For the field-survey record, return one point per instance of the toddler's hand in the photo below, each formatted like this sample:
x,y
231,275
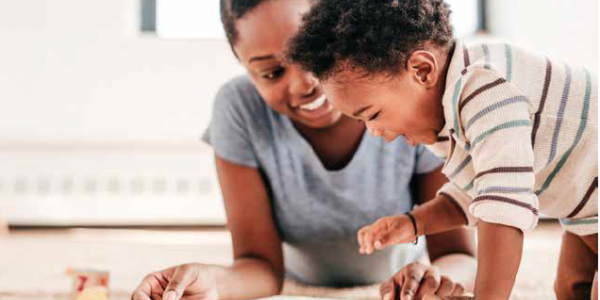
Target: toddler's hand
x,y
385,232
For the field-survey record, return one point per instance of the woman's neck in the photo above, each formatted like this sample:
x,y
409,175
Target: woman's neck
x,y
335,145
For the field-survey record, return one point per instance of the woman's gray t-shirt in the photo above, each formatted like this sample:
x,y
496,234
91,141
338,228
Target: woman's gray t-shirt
x,y
318,211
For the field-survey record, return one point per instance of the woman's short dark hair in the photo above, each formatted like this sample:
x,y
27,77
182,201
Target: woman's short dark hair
x,y
375,36
231,10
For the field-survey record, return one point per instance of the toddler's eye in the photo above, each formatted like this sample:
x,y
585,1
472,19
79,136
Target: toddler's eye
x,y
373,117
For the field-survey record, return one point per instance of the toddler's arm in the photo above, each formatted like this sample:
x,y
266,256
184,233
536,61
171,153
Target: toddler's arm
x,y
497,125
435,216
498,259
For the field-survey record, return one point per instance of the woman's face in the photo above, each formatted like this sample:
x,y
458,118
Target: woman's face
x,y
262,35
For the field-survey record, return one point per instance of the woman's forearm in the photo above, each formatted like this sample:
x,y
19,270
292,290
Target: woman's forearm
x,y
248,278
460,267
498,258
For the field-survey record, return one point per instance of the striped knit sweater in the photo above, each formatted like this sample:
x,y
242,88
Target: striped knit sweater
x,y
521,137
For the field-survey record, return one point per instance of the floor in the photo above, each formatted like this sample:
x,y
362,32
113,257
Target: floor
x,y
33,262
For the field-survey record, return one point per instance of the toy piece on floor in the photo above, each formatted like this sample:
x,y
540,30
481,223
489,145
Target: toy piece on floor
x,y
89,283
93,293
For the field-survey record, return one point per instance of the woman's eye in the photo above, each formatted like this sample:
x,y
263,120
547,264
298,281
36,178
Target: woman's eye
x,y
273,74
373,117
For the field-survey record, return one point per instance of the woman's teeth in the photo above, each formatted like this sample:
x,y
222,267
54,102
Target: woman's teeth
x,y
315,104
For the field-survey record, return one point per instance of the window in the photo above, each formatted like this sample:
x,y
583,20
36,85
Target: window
x,y
182,19
200,19
467,17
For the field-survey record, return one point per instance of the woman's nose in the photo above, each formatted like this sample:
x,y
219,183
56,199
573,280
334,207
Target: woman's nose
x,y
302,84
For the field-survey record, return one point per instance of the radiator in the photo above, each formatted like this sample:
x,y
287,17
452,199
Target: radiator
x,y
108,185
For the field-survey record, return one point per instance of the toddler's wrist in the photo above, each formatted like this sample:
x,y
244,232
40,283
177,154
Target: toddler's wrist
x,y
415,227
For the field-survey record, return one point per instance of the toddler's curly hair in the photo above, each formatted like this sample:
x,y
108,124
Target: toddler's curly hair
x,y
374,36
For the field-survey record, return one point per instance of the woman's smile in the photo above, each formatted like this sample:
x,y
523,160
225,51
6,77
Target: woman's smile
x,y
315,109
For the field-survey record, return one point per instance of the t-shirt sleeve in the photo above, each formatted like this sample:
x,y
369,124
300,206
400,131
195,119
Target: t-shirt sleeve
x,y
496,125
426,161
229,129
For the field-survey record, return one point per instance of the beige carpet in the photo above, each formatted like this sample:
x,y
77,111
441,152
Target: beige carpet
x,y
33,262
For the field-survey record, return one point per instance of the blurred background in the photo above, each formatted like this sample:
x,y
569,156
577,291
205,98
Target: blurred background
x,y
102,103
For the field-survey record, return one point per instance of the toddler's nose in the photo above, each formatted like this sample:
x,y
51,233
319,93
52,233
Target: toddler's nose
x,y
373,130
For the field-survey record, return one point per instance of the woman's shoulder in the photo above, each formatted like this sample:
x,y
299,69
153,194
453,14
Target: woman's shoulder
x,y
239,94
239,122
238,104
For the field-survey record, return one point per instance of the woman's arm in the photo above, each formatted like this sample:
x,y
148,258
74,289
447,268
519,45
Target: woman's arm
x,y
258,267
257,270
453,252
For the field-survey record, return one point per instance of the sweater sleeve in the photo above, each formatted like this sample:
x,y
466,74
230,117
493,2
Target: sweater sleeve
x,y
460,199
495,119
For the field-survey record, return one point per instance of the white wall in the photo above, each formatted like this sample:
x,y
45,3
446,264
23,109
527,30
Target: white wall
x,y
79,70
85,102
566,30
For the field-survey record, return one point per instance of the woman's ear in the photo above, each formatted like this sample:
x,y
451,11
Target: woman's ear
x,y
424,68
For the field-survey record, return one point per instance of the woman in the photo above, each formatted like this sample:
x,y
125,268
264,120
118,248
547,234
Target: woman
x,y
299,178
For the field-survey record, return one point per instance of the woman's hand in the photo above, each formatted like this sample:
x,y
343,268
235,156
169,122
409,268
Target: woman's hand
x,y
417,281
186,282
385,232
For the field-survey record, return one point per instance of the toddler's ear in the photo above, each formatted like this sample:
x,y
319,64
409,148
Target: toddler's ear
x,y
423,66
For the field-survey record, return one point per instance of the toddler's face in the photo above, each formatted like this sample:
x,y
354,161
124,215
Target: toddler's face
x,y
391,106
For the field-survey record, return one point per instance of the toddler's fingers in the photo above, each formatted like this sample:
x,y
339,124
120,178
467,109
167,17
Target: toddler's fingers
x,y
361,239
379,229
369,236
366,237
367,241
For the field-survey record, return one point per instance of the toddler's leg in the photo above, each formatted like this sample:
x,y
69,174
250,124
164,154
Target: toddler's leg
x,y
577,266
592,242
